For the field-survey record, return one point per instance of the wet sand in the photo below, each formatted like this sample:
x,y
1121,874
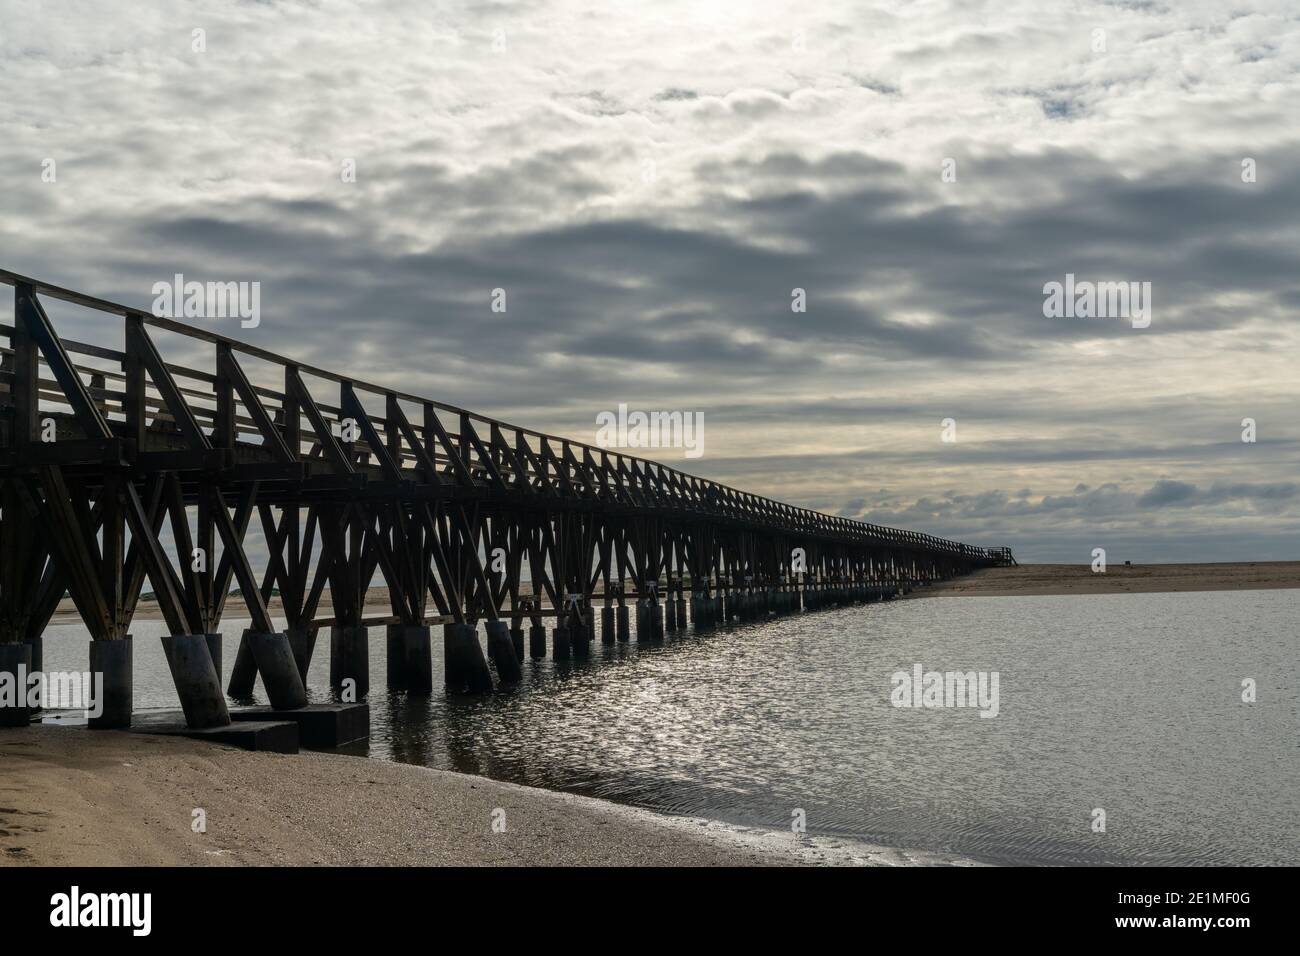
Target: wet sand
x,y
1042,579
71,796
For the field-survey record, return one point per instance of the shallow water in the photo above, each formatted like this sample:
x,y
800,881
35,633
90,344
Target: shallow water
x,y
1129,703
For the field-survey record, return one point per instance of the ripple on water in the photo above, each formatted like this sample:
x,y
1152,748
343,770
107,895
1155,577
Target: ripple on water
x,y
1129,703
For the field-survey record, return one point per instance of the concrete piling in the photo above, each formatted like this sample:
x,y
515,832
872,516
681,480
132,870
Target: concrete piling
x,y
517,641
112,660
537,641
561,643
410,658
670,615
243,674
302,641
607,625
279,670
502,652
465,668
37,644
15,668
350,657
214,651
624,629
196,681
580,636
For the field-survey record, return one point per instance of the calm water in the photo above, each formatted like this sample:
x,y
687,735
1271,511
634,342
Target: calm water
x,y
1130,703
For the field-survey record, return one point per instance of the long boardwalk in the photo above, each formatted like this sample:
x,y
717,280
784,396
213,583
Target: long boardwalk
x,y
118,466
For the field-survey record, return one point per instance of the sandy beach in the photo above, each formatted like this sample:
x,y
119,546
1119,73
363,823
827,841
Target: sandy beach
x,y
1043,579
71,796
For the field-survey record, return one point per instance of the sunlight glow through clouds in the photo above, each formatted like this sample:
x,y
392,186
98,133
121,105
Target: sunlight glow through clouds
x,y
790,145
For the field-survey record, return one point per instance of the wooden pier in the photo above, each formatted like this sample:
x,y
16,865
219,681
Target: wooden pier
x,y
119,465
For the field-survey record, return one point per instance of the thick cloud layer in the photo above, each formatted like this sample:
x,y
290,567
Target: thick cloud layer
x,y
648,184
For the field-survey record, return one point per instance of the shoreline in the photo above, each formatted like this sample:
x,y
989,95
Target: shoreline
x,y
76,797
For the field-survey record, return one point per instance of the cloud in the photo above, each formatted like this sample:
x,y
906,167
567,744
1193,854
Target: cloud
x,y
648,187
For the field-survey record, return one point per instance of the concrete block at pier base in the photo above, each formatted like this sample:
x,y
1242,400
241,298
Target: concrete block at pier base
x,y
656,621
320,726
681,613
517,642
464,666
607,625
302,641
15,668
243,674
350,657
279,671
561,643
410,658
670,615
273,736
196,680
537,642
624,628
642,622
502,652
113,660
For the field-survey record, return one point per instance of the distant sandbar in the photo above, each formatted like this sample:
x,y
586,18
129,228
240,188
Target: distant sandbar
x,y
1043,579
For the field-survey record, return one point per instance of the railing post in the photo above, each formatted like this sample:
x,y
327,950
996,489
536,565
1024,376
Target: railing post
x,y
26,396
133,369
292,424
226,426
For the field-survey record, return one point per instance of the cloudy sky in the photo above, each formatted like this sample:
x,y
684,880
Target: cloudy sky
x,y
648,182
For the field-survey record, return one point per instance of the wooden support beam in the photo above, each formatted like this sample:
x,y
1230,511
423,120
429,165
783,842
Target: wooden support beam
x,y
37,328
333,451
353,408
433,429
161,574
140,345
400,428
229,370
233,545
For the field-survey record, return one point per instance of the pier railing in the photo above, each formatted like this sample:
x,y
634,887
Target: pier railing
x,y
132,402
